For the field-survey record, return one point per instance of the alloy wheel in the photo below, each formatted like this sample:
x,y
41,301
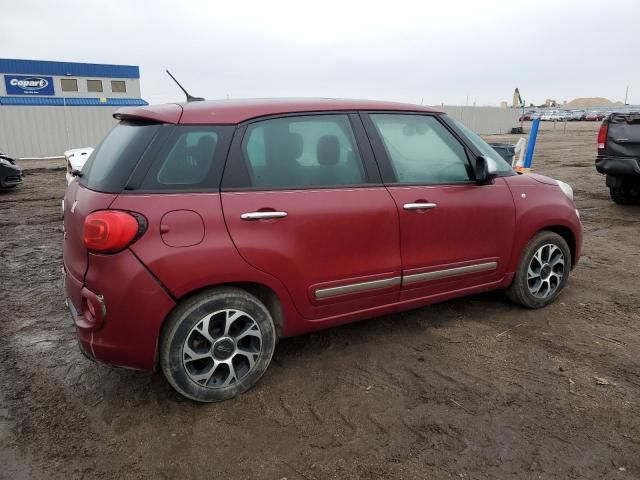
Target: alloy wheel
x,y
222,348
546,271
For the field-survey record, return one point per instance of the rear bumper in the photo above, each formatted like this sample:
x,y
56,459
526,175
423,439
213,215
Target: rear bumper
x,y
621,166
10,176
129,307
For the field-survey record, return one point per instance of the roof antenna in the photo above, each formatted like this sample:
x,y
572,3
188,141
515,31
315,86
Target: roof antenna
x,y
189,97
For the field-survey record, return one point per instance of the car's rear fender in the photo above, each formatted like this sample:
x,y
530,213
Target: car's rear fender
x,y
205,256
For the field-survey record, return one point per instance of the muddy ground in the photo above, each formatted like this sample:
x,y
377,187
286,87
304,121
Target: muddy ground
x,y
474,388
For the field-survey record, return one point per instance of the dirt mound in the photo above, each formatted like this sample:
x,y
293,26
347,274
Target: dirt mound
x,y
589,102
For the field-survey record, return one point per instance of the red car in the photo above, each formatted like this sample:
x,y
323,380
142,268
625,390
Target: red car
x,y
595,116
199,234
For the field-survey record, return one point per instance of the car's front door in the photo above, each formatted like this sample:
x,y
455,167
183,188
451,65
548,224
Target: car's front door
x,y
455,234
303,201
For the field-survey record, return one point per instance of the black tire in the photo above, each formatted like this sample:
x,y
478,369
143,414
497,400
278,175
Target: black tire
x,y
519,291
180,326
622,196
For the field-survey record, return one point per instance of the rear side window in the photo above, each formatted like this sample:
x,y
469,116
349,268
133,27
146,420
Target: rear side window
x,y
113,160
421,150
299,152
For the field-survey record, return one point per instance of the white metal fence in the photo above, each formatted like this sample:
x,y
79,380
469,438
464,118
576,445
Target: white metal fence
x,y
485,120
48,131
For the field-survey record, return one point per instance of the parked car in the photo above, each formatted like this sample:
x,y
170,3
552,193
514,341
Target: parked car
x,y
619,156
576,115
595,116
10,173
552,116
199,234
75,160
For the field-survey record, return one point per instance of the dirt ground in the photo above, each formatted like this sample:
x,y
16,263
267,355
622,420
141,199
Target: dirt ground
x,y
469,389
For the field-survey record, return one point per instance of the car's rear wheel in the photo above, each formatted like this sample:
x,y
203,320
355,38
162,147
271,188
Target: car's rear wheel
x,y
217,344
625,195
543,271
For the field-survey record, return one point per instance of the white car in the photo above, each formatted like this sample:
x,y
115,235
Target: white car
x,y
553,116
75,160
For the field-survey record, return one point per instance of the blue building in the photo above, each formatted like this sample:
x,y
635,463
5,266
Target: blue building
x,y
48,107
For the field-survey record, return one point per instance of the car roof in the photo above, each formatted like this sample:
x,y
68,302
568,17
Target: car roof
x,y
238,111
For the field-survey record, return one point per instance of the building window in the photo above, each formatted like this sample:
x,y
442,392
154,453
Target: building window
x,y
118,86
69,84
94,85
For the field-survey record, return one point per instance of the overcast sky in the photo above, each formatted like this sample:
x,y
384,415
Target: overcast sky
x,y
423,51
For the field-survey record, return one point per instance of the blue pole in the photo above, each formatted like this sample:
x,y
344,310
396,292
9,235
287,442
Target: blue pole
x,y
531,144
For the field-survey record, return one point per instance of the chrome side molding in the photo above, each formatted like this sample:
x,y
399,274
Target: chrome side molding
x,y
357,287
449,272
404,280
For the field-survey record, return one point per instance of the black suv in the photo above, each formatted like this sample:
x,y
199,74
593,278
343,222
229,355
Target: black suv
x,y
10,173
619,156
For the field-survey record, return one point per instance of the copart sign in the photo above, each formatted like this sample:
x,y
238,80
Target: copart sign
x,y
28,85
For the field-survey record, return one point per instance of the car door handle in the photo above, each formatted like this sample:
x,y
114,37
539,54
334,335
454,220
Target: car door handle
x,y
419,206
262,215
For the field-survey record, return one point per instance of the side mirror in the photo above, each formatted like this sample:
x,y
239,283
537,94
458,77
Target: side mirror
x,y
486,170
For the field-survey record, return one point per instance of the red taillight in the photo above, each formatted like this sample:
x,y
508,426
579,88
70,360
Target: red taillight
x,y
602,135
111,230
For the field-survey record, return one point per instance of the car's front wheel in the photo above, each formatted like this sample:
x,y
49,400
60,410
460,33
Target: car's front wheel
x,y
217,344
543,271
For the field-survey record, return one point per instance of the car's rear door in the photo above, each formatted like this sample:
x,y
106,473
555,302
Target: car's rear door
x,y
455,234
303,201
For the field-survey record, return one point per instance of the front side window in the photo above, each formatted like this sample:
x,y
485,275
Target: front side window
x,y
94,85
421,150
502,166
69,84
299,152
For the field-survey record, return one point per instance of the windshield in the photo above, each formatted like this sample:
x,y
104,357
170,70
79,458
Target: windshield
x,y
502,166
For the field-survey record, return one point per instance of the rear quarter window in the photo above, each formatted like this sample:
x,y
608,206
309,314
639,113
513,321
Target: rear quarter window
x,y
191,158
115,158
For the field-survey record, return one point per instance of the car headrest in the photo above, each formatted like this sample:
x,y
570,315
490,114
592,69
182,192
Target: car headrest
x,y
328,150
206,143
204,148
294,146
